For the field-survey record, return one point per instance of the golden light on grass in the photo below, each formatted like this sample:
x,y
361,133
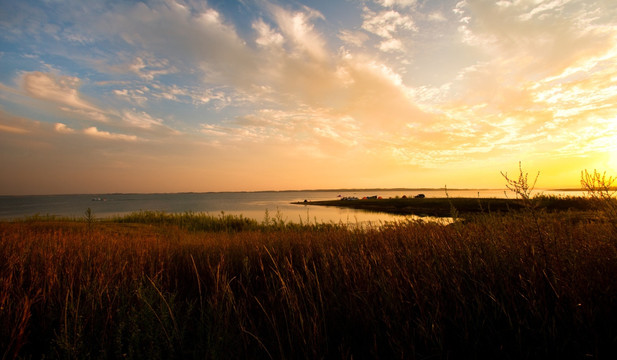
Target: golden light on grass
x,y
527,284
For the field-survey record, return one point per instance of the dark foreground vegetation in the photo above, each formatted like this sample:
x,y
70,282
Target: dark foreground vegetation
x,y
530,284
442,207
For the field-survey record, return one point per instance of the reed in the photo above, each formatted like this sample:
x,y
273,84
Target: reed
x,y
524,284
180,286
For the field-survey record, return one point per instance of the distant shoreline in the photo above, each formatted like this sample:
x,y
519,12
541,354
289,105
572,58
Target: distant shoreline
x,y
443,207
342,190
264,191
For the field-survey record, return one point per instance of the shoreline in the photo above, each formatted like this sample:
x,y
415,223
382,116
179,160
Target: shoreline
x,y
443,207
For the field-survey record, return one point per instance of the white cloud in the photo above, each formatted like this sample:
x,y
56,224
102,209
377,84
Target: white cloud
x,y
80,38
301,71
437,16
286,63
171,29
148,67
266,36
391,45
387,24
214,130
297,27
521,46
94,132
62,90
140,119
314,128
87,115
134,96
543,7
391,3
564,30
356,38
63,129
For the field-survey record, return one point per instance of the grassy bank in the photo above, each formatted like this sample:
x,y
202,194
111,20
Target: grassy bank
x,y
150,285
442,207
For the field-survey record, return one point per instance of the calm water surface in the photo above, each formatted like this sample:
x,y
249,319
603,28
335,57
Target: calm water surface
x,y
249,204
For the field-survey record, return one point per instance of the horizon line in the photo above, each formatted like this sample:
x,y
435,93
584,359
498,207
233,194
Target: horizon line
x,y
291,190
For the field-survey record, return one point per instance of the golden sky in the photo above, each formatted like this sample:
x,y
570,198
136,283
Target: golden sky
x,y
172,96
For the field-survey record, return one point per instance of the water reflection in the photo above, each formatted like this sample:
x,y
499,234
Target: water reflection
x,y
252,205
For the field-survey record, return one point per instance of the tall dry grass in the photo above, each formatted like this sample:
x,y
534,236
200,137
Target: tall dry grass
x,y
496,286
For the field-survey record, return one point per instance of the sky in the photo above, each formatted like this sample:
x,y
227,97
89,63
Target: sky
x,y
248,95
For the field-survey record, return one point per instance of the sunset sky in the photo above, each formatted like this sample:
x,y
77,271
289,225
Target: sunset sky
x,y
223,95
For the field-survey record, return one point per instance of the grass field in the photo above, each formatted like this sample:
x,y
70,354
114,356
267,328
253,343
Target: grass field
x,y
442,207
528,284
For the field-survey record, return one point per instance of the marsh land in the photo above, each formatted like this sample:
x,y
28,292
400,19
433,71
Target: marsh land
x,y
444,207
526,283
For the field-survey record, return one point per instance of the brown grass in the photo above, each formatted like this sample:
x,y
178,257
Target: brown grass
x,y
498,286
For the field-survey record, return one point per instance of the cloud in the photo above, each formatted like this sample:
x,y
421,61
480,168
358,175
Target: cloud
x,y
350,95
400,3
134,96
537,45
63,129
543,87
141,119
12,125
437,16
94,132
386,24
266,36
356,38
391,26
532,76
12,129
215,130
531,46
297,27
148,67
391,45
59,89
48,158
170,29
304,128
98,115
290,66
16,125
541,8
62,91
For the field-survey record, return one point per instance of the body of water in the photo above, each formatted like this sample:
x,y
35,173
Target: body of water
x,y
248,204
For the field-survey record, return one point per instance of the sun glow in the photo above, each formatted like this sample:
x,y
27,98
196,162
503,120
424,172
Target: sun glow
x,y
612,158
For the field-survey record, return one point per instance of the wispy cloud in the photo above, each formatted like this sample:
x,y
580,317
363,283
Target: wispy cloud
x,y
141,119
94,132
401,3
168,29
12,129
62,90
386,23
297,28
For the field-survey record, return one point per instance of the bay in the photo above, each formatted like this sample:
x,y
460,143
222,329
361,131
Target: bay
x,y
253,205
